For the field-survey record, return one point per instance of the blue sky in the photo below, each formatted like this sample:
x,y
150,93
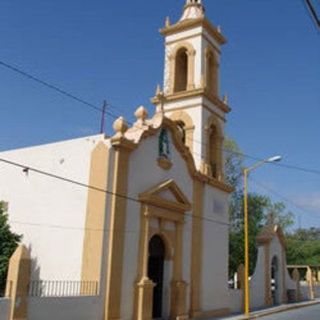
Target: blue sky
x,y
112,50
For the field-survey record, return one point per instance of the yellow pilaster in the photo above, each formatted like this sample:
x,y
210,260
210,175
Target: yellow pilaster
x,y
18,283
196,246
96,212
122,149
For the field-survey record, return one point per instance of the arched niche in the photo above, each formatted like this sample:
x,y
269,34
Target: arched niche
x,y
185,126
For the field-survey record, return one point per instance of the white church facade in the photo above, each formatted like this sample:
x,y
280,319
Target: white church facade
x,y
143,213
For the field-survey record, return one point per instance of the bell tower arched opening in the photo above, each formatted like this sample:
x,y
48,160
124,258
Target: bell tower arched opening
x,y
213,151
212,73
181,70
215,141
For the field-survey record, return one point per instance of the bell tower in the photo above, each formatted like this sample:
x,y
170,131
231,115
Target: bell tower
x,y
190,94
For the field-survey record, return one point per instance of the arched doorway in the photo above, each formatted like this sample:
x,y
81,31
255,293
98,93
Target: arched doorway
x,y
275,281
155,273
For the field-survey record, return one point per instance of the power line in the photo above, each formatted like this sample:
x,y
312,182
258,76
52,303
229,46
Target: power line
x,y
54,87
313,13
281,196
54,226
105,112
27,168
240,153
58,89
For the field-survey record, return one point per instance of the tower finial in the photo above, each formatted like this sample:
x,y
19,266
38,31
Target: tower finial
x,y
193,9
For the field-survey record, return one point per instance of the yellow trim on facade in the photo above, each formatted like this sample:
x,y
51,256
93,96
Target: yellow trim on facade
x,y
122,149
202,92
196,247
96,214
192,106
17,287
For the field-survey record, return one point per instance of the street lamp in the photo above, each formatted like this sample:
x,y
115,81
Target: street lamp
x,y
246,172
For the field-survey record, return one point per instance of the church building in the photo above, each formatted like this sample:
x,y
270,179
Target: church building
x,y
145,212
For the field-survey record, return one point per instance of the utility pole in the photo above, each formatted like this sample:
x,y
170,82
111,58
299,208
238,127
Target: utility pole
x,y
103,116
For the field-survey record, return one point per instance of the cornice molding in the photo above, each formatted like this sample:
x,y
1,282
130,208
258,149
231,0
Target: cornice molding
x,y
122,142
190,94
193,23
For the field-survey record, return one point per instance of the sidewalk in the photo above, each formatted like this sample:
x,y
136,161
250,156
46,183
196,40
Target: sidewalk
x,y
272,310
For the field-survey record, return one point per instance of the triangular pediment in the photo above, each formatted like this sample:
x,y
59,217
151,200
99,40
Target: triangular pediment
x,y
167,195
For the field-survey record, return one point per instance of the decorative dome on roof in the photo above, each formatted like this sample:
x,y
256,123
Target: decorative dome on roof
x,y
193,9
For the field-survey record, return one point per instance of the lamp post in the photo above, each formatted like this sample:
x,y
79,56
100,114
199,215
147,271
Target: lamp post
x,y
246,172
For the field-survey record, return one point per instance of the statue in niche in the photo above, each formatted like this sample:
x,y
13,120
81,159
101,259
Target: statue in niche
x,y
164,144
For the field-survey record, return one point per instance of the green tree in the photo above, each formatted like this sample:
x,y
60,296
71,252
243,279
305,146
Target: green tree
x,y
303,247
8,243
261,210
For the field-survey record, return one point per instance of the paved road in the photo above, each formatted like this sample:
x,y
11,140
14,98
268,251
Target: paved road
x,y
307,313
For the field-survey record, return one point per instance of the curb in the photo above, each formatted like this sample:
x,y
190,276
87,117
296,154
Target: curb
x,y
284,309
268,312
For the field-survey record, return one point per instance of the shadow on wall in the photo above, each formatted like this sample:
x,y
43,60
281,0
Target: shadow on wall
x,y
35,268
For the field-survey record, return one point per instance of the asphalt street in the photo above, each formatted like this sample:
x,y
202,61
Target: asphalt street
x,y
307,313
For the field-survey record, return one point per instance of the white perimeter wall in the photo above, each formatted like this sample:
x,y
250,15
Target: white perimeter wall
x,y
236,300
79,308
50,213
4,308
257,283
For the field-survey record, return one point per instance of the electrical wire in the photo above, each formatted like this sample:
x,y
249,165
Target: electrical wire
x,y
53,87
241,154
100,110
313,13
27,168
281,196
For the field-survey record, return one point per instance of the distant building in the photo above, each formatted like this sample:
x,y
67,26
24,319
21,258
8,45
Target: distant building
x,y
152,229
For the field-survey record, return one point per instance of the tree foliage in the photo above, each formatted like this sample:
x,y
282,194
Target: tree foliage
x,y
260,207
303,247
8,243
